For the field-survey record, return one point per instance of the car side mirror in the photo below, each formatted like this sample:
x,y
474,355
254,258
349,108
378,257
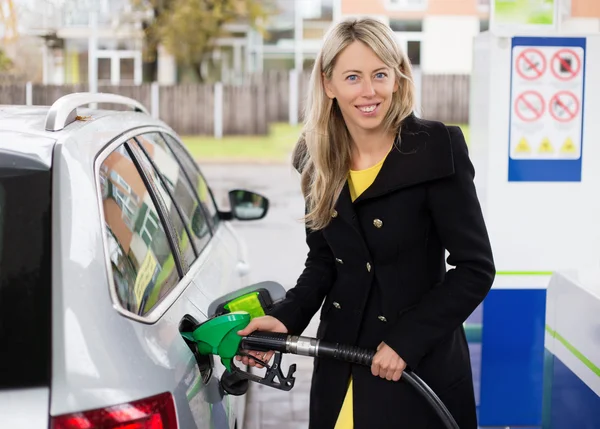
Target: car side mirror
x,y
247,205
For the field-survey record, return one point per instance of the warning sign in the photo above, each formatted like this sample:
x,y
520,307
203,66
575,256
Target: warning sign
x,y
531,64
546,111
568,147
546,147
523,146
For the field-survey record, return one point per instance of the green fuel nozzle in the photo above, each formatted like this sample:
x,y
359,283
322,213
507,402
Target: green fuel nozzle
x,y
218,336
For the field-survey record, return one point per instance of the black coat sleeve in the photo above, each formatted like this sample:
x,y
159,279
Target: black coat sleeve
x,y
304,300
458,219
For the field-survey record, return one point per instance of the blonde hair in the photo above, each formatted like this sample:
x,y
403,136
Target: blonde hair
x,y
322,153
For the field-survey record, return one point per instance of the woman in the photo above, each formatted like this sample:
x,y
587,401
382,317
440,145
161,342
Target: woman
x,y
386,195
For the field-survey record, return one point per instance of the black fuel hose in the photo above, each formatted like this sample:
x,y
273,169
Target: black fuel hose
x,y
306,346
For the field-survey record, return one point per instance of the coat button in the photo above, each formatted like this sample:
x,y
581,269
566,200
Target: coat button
x,y
382,318
334,213
339,261
368,267
378,223
336,305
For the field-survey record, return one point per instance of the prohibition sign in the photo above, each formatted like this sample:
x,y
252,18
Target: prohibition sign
x,y
529,106
564,106
565,64
531,64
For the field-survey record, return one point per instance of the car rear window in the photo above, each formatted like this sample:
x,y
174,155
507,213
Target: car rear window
x,y
25,273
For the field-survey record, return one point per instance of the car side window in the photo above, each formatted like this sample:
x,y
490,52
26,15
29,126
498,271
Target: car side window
x,y
175,216
142,261
196,178
173,177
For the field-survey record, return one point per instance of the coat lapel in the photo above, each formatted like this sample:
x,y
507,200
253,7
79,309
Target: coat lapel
x,y
422,153
345,209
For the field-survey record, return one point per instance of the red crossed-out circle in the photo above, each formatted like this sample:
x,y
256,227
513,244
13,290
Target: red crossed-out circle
x,y
531,64
529,106
561,60
564,106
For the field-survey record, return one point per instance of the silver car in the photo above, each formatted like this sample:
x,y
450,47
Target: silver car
x,y
111,245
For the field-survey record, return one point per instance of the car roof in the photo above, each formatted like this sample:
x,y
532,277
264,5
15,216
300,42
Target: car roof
x,y
30,119
24,128
23,132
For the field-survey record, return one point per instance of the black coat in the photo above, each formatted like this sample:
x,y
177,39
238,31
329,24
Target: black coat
x,y
380,268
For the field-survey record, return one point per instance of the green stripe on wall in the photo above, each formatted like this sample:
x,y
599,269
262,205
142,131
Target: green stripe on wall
x,y
524,273
573,350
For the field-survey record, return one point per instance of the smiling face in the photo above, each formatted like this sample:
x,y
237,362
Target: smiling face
x,y
363,86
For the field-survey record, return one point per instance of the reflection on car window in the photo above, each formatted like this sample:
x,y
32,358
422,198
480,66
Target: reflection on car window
x,y
183,239
143,264
196,178
175,179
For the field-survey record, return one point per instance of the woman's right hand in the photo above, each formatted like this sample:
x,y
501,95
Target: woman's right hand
x,y
265,324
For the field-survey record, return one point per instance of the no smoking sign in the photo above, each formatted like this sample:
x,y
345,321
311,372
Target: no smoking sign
x,y
531,64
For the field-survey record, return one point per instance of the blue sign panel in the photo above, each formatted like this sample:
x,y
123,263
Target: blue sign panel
x,y
547,88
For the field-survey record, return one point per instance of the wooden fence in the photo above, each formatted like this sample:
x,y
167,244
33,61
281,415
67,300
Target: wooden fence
x,y
445,98
248,108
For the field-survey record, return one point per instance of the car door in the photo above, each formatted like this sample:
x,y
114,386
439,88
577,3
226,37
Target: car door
x,y
222,269
232,268
209,261
153,247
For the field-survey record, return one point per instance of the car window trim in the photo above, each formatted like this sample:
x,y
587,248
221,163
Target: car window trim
x,y
161,308
171,196
163,216
197,168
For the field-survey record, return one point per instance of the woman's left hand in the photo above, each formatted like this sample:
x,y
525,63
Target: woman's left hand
x,y
387,364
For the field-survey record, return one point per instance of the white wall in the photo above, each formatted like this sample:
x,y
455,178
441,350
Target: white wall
x,y
581,25
448,44
167,68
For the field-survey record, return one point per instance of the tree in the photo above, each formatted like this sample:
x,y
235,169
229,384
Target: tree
x,y
6,64
188,29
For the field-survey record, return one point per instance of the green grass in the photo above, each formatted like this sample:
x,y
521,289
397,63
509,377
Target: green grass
x,y
274,147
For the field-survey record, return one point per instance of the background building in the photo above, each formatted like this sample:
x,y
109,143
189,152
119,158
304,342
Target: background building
x,y
437,34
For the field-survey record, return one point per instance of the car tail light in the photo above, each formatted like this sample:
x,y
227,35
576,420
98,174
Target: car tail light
x,y
156,412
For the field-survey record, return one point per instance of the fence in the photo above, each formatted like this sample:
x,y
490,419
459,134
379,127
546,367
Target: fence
x,y
198,109
445,98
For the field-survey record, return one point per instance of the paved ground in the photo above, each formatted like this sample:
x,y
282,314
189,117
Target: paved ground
x,y
277,251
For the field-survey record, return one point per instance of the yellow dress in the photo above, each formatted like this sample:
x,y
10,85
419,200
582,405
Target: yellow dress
x,y
358,182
